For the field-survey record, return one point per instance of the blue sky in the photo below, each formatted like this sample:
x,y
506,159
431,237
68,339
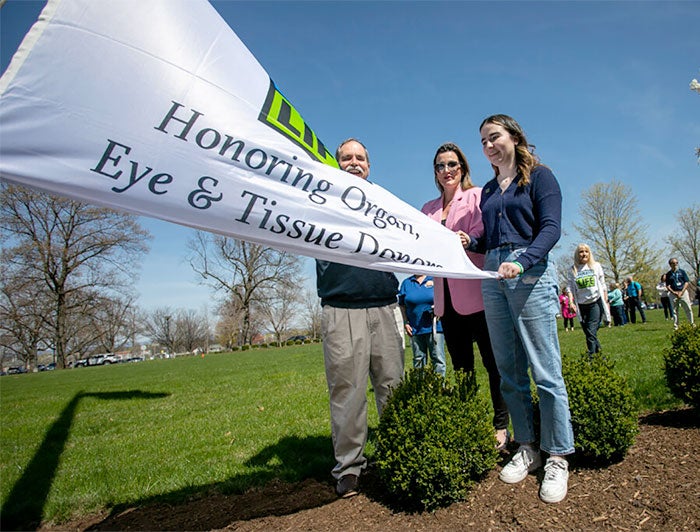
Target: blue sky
x,y
601,88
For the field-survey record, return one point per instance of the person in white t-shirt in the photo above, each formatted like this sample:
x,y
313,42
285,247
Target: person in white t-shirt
x,y
587,284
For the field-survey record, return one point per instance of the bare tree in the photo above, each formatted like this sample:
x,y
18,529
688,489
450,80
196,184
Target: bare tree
x,y
312,313
191,330
564,263
70,249
280,307
685,240
612,226
159,325
243,271
82,338
22,319
113,321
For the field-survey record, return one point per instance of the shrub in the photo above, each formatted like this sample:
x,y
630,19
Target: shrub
x,y
434,441
682,364
603,410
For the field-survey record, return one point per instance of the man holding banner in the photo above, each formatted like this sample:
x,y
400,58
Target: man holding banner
x,y
360,340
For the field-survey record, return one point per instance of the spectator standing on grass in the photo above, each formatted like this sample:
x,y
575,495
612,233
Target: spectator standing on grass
x,y
361,340
634,300
587,284
625,300
459,302
678,285
521,211
617,305
664,297
424,330
568,308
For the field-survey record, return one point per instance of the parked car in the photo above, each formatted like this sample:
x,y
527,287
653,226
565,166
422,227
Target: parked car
x,y
97,360
16,370
46,367
296,338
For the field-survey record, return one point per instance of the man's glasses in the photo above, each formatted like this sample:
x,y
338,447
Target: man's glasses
x,y
440,167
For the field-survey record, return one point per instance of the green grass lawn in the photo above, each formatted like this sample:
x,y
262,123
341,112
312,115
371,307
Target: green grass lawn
x,y
76,441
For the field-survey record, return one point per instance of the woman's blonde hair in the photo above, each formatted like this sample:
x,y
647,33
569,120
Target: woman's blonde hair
x,y
591,260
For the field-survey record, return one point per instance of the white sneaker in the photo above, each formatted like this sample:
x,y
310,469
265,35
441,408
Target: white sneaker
x,y
524,461
556,480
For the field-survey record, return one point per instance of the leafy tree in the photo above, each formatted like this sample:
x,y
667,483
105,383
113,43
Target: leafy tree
x,y
247,273
685,240
70,252
228,327
612,226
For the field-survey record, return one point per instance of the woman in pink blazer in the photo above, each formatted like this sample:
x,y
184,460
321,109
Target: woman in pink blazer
x,y
458,301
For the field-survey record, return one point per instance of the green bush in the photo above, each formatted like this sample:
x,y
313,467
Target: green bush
x,y
682,364
434,441
603,410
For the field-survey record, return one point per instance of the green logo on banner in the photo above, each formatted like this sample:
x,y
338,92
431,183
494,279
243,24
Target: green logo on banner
x,y
280,115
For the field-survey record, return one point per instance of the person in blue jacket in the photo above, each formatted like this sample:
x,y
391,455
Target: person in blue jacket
x,y
424,330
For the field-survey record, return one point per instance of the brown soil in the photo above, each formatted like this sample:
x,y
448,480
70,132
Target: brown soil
x,y
655,487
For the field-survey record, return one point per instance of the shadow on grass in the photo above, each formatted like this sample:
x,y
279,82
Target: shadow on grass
x,y
289,476
23,507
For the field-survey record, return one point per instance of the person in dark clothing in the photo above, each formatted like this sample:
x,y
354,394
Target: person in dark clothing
x,y
362,340
634,300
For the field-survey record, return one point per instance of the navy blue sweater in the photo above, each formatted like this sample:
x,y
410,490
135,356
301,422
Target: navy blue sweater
x,y
525,216
343,286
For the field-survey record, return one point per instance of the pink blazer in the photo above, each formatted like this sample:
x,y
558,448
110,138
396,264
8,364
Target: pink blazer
x,y
464,214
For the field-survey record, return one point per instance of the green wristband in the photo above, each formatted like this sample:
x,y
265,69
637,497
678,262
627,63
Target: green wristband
x,y
519,266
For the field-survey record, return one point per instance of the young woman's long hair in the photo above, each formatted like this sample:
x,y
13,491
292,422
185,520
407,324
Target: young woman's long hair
x,y
525,158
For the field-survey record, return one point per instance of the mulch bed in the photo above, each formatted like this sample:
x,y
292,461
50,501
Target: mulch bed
x,y
654,488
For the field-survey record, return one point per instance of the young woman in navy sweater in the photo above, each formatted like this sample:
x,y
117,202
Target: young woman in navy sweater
x,y
521,209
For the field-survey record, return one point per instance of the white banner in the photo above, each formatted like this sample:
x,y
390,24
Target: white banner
x,y
157,108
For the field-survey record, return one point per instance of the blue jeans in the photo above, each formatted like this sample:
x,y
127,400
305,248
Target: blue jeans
x,y
424,345
521,316
591,315
618,315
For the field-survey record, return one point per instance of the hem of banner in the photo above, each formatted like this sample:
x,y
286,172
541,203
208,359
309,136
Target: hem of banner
x,y
399,267
28,42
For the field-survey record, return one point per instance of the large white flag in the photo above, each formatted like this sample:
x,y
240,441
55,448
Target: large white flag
x,y
157,108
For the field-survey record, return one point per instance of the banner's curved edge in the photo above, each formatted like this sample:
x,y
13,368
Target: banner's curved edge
x,y
400,267
28,43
